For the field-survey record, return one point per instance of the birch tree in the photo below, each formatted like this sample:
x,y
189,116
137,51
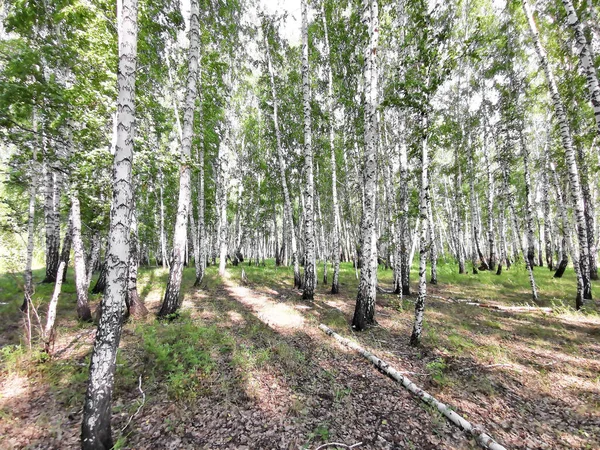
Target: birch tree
x,y
364,312
96,423
309,213
171,299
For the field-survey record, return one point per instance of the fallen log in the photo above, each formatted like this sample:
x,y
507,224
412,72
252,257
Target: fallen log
x,y
512,308
482,438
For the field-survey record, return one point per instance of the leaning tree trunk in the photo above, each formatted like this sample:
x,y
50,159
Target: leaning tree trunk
x,y
48,334
287,213
96,424
415,338
364,312
172,293
570,156
309,225
81,285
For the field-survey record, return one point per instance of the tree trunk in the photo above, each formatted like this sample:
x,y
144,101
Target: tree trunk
x,y
52,222
201,263
415,338
81,286
287,213
96,424
94,255
28,275
171,300
570,156
223,165
364,313
309,225
48,337
136,306
405,260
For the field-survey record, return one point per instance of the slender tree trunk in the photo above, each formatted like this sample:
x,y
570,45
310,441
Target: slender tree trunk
x,y
415,338
28,275
432,248
65,253
570,155
96,425
222,204
135,304
48,337
364,312
310,280
530,254
94,255
51,214
81,286
201,264
459,210
163,238
405,260
171,300
490,207
287,213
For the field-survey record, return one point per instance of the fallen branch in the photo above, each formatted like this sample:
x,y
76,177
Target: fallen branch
x,y
139,407
483,439
337,444
512,308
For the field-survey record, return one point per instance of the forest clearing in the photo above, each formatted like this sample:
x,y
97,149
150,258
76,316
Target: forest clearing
x,y
299,224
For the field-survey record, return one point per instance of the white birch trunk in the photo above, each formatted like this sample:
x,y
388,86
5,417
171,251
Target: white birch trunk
x,y
415,337
96,423
309,225
171,300
364,313
81,285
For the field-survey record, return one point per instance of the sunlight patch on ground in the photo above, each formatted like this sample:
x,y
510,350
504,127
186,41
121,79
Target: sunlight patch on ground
x,y
13,387
276,315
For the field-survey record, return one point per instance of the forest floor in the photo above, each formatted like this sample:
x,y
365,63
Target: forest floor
x,y
246,367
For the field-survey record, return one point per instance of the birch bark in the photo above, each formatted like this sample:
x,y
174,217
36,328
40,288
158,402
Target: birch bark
x,y
96,424
364,313
171,300
309,213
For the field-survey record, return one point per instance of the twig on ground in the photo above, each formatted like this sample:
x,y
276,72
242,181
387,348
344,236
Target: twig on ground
x,y
337,444
139,407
